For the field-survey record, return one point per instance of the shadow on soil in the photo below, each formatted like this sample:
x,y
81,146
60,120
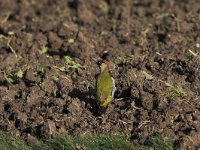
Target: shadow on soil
x,y
88,98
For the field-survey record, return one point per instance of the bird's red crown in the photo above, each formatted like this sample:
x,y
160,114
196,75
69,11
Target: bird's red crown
x,y
106,63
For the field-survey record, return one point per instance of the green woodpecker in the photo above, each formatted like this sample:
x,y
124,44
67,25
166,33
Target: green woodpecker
x,y
105,86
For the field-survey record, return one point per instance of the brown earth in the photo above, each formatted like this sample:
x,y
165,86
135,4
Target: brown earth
x,y
139,35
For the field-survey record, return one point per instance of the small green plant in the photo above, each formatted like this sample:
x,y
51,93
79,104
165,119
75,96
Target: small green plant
x,y
14,76
10,79
192,53
44,49
103,6
160,143
37,80
63,69
70,40
10,143
40,69
147,75
142,39
38,75
72,64
124,59
55,78
20,73
103,33
174,90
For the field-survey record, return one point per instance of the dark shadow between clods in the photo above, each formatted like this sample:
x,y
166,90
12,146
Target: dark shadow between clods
x,y
89,98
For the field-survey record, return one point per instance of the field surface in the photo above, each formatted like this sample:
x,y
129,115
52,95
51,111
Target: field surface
x,y
48,54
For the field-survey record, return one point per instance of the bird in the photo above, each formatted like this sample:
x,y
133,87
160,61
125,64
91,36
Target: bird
x,y
105,87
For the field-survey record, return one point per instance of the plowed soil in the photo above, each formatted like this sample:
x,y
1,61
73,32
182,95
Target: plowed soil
x,y
48,98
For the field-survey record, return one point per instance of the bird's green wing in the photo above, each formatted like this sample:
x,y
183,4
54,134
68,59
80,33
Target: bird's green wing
x,y
104,88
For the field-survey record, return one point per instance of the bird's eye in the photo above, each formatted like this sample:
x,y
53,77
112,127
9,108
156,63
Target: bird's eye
x,y
99,62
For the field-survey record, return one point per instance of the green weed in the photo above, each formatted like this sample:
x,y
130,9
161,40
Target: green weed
x,y
123,59
92,142
55,78
111,142
142,39
174,90
40,69
72,64
103,6
44,49
192,53
103,33
10,143
160,143
70,40
66,142
14,76
147,75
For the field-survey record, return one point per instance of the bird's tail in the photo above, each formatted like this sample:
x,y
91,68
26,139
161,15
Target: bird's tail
x,y
102,107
